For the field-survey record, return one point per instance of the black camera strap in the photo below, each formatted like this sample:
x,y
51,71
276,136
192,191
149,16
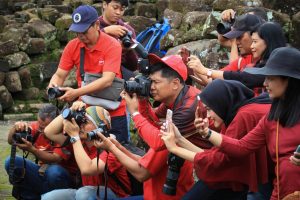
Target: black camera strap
x,y
11,170
81,63
104,174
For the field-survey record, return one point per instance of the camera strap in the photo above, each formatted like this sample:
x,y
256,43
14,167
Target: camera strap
x,y
180,96
81,63
11,170
104,174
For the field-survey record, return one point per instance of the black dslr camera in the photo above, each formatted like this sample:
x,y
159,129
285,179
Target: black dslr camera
x,y
141,84
17,137
175,163
92,135
126,39
225,27
55,92
78,115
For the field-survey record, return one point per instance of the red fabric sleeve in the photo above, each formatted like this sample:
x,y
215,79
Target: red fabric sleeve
x,y
254,140
67,60
154,161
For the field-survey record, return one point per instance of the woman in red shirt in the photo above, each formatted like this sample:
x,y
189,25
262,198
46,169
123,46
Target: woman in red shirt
x,y
233,108
279,129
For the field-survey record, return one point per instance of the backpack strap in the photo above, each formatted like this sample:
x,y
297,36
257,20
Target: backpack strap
x,y
81,63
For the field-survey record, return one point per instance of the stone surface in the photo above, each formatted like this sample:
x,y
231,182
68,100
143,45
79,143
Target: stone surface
x,y
36,46
64,22
27,94
43,29
47,70
175,18
17,59
146,10
13,82
296,29
6,99
25,77
2,78
49,14
18,35
8,47
139,23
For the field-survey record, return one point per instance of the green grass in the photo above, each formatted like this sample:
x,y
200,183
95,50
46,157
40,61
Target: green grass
x,y
5,187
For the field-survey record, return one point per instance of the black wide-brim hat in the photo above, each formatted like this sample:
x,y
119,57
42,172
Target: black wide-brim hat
x,y
283,61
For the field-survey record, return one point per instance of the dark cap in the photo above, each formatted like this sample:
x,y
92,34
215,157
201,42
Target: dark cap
x,y
283,61
83,17
242,24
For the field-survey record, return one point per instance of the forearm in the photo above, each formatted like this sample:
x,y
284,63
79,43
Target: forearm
x,y
184,143
54,131
130,164
84,162
215,138
183,153
148,132
45,156
57,80
234,53
128,153
12,131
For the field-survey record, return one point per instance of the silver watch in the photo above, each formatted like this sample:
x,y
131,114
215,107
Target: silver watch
x,y
74,139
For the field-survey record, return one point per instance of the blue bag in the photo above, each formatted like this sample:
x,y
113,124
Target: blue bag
x,y
150,38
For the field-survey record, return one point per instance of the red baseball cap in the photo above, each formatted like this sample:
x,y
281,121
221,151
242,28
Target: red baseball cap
x,y
173,61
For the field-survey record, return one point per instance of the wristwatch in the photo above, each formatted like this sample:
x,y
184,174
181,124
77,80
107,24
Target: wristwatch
x,y
209,73
74,139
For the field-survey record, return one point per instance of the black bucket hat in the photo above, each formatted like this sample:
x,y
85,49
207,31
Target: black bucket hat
x,y
283,61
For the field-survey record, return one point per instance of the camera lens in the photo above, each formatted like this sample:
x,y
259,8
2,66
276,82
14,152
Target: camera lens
x,y
55,93
67,114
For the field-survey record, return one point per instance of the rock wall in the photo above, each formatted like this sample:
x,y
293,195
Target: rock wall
x,y
33,34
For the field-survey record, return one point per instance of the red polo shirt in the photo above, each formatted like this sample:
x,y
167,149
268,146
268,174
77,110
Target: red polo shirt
x,y
105,56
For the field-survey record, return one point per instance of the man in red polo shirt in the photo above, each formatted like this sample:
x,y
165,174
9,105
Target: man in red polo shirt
x,y
102,55
54,169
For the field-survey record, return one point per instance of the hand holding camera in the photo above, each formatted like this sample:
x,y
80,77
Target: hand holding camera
x,y
71,127
104,142
131,101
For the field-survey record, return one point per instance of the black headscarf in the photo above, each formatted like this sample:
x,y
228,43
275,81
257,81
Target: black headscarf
x,y
225,97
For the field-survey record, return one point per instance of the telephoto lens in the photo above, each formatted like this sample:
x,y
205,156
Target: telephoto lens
x,y
175,163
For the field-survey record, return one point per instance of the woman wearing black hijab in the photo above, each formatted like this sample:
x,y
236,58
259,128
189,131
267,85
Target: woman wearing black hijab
x,y
233,108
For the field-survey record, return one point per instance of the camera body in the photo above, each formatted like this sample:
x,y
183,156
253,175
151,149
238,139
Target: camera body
x,y
78,115
55,92
126,39
92,135
175,163
17,137
224,27
140,85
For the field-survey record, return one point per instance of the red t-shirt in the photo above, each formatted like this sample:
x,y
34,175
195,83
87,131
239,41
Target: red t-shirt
x,y
44,144
265,134
105,56
114,166
156,163
221,171
239,64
